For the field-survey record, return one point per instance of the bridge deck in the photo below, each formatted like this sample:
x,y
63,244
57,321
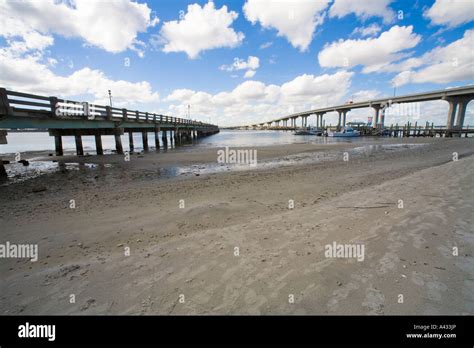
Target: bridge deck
x,y
28,111
71,118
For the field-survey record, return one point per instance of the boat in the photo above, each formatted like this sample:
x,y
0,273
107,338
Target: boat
x,y
309,131
345,132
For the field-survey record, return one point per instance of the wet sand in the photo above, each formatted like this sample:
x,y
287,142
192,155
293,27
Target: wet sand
x,y
189,253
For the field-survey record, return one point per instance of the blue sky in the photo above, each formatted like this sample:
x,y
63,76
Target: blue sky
x,y
319,53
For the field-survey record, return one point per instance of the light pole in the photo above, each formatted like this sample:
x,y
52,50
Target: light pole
x,y
110,98
189,112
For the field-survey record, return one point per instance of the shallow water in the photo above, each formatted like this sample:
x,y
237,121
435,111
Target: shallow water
x,y
41,141
17,172
21,142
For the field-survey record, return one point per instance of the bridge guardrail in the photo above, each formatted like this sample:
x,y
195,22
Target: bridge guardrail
x,y
12,102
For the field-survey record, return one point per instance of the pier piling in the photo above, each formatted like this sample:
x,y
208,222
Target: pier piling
x,y
130,141
58,143
145,140
3,172
98,144
118,144
79,148
164,139
157,139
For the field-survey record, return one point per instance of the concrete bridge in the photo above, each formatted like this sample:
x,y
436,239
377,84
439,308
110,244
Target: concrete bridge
x,y
71,118
458,98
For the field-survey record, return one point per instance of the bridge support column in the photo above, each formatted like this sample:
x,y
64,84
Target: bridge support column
x,y
118,144
58,144
130,141
79,148
164,138
319,120
339,119
157,139
462,105
456,113
145,140
451,113
98,144
376,115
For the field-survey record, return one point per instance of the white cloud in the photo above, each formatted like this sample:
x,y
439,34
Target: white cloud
x,y
363,9
254,101
371,30
295,20
249,74
28,74
266,45
365,95
310,86
251,65
450,13
454,62
200,29
372,53
35,21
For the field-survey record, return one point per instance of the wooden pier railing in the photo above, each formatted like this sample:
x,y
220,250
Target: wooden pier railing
x,y
20,105
62,117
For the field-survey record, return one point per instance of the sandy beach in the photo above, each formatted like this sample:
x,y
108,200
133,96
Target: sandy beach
x,y
248,241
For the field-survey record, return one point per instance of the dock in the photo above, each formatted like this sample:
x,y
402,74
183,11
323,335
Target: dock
x,y
61,117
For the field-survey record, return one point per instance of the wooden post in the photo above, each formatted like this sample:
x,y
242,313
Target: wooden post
x,y
163,137
124,114
58,142
79,149
157,138
98,144
130,141
145,140
108,111
5,108
53,102
3,172
118,144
